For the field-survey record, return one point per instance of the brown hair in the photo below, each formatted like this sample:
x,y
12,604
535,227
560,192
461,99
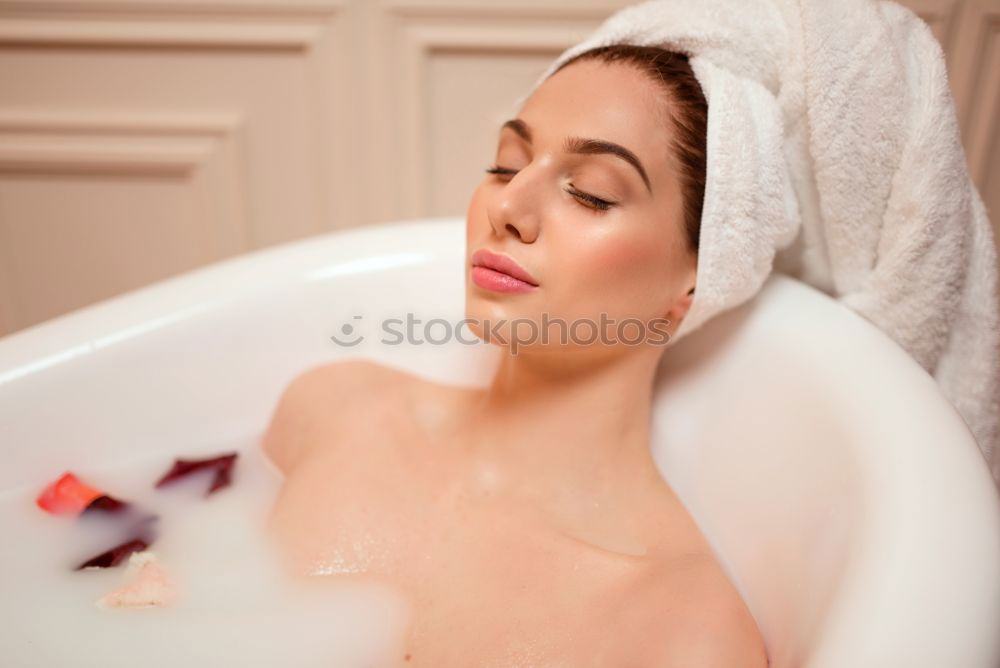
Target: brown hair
x,y
687,110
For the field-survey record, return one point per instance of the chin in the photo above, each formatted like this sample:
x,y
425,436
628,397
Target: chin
x,y
485,311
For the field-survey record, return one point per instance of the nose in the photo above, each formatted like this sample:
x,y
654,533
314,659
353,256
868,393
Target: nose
x,y
515,207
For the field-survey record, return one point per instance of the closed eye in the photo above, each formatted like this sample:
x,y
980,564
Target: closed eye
x,y
589,201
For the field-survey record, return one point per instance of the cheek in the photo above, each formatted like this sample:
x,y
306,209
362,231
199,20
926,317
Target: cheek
x,y
627,260
625,274
620,255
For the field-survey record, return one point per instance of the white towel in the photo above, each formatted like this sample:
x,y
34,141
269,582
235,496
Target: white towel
x,y
834,156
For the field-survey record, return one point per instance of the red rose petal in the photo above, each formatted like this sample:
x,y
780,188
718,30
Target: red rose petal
x,y
143,535
222,464
115,555
67,496
106,503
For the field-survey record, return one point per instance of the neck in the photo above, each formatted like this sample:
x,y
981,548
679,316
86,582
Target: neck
x,y
568,419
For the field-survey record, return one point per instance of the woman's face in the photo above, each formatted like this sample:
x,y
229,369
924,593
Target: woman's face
x,y
626,259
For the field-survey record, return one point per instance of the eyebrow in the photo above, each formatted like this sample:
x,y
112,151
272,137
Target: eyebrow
x,y
585,146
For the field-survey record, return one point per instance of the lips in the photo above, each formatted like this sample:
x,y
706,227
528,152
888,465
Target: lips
x,y
502,264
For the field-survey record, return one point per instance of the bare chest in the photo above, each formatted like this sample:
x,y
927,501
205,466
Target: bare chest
x,y
487,576
413,522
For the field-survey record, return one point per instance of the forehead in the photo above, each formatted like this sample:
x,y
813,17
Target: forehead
x,y
610,101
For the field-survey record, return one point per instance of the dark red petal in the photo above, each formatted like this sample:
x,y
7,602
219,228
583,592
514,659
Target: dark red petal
x,y
115,555
223,465
107,504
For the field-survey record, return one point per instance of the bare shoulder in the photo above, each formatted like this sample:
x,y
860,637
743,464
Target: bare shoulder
x,y
693,617
316,397
343,379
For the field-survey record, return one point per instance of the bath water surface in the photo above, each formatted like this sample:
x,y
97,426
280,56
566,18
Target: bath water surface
x,y
235,605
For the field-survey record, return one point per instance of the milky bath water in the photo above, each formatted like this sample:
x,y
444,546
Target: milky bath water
x,y
235,605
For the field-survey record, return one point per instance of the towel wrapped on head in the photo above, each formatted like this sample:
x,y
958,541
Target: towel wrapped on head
x,y
834,155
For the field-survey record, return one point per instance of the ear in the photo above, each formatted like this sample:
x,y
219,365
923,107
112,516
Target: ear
x,y
681,305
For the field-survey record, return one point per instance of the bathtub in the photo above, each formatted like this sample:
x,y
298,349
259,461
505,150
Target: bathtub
x,y
842,493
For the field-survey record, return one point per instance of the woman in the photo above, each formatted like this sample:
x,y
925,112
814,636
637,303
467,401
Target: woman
x,y
527,521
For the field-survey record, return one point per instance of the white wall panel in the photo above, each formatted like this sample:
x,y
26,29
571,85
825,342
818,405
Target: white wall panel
x,y
141,138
